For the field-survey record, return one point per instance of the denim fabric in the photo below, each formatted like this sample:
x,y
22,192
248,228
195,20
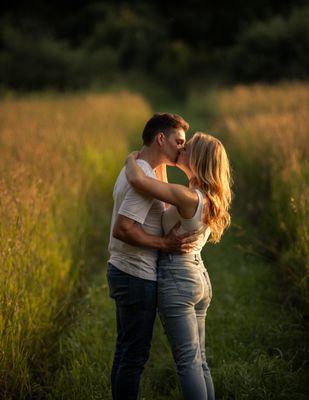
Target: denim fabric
x,y
184,294
136,302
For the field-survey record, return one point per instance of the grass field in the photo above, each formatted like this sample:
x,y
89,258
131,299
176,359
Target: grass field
x,y
59,157
266,129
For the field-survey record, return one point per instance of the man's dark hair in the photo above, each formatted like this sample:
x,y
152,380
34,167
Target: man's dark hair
x,y
162,122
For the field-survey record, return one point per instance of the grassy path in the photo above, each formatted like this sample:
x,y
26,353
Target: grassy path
x,y
255,343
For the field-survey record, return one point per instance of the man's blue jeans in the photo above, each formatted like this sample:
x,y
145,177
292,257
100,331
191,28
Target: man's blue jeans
x,y
136,302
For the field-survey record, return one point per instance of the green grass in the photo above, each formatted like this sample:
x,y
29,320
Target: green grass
x,y
256,344
266,132
261,345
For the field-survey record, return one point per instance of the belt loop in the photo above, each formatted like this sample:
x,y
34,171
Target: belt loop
x,y
170,257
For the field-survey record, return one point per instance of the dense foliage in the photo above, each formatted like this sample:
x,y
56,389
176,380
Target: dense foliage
x,y
90,43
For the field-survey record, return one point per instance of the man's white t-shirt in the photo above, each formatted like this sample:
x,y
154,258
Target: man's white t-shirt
x,y
137,261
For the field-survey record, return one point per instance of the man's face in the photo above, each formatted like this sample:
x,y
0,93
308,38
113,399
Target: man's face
x,y
173,144
183,160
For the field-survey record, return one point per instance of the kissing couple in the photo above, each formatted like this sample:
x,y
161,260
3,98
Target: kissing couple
x,y
158,230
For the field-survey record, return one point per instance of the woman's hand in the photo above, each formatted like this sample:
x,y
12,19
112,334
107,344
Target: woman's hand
x,y
132,156
133,172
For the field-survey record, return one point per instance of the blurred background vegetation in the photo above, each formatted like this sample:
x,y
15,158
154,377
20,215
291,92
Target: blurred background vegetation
x,y
96,44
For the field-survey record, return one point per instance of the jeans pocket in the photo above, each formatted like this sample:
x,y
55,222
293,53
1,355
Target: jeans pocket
x,y
188,283
119,289
131,291
122,288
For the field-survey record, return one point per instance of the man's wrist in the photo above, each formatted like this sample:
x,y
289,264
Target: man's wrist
x,y
160,243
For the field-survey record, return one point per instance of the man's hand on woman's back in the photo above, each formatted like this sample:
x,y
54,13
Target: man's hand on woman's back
x,y
173,243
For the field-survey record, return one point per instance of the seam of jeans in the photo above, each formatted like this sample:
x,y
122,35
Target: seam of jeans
x,y
203,286
205,273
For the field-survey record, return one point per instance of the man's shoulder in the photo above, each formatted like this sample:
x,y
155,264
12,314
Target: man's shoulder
x,y
121,181
146,167
123,189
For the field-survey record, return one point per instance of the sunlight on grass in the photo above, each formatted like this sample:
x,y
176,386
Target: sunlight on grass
x,y
267,132
58,159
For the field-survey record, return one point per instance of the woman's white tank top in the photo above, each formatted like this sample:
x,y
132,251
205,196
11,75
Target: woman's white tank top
x,y
171,216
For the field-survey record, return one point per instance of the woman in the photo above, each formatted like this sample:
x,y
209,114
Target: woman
x,y
184,289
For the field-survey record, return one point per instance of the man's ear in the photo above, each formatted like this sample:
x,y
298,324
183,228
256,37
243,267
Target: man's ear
x,y
160,138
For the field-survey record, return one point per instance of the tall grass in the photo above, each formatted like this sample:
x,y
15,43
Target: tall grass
x,y
59,158
58,161
267,132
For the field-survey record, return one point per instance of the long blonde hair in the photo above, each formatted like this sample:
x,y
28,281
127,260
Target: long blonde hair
x,y
211,174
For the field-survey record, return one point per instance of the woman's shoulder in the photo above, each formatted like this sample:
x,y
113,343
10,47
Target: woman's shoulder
x,y
190,203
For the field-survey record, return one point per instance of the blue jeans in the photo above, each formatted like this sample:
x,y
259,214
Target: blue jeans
x,y
136,303
184,294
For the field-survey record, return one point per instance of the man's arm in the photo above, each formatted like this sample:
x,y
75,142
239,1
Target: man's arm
x,y
128,231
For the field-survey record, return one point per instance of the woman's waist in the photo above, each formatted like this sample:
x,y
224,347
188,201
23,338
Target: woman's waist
x,y
172,259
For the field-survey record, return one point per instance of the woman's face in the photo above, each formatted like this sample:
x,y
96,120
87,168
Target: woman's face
x,y
183,160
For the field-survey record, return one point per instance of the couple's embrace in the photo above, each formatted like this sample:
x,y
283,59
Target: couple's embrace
x,y
158,230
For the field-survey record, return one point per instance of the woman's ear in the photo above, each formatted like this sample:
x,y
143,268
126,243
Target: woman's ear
x,y
160,138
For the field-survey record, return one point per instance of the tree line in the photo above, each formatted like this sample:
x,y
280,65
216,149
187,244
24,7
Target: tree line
x,y
68,45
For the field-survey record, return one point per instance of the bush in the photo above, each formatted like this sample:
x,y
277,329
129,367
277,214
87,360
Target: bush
x,y
278,48
51,63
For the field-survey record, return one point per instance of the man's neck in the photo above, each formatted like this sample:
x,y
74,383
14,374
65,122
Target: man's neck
x,y
148,154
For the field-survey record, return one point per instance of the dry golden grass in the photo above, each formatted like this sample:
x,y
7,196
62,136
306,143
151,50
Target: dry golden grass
x,y
58,160
268,130
275,117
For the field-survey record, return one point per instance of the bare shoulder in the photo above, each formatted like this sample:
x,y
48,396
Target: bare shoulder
x,y
190,202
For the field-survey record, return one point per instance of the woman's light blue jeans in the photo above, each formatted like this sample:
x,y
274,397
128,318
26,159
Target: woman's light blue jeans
x,y
184,294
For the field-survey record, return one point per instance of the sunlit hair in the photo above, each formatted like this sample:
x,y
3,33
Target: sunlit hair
x,y
211,173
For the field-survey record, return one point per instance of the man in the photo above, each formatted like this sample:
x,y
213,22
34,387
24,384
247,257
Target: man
x,y
135,239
